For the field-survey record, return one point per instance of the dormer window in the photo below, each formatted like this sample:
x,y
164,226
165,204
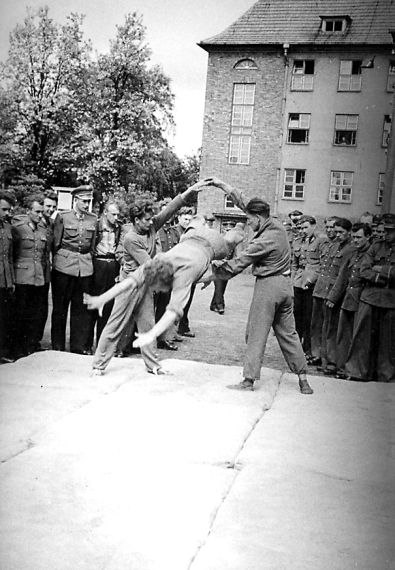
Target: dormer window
x,y
333,24
246,64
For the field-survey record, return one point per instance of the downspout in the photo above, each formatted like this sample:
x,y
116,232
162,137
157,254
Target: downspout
x,y
283,125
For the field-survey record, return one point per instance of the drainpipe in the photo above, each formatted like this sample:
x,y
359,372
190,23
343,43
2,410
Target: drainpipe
x,y
283,125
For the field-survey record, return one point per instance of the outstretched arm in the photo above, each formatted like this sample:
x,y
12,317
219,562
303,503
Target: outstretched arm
x,y
128,284
233,193
160,327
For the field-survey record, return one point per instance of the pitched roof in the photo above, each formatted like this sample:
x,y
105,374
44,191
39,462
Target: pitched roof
x,y
274,22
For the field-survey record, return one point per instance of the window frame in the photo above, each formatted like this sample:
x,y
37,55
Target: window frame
x,y
294,183
344,22
242,116
300,79
340,187
348,120
299,128
391,77
238,65
380,189
386,131
347,81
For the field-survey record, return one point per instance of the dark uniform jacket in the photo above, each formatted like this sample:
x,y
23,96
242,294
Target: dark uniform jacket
x,y
306,260
168,237
380,286
30,252
6,256
340,254
327,251
349,282
74,242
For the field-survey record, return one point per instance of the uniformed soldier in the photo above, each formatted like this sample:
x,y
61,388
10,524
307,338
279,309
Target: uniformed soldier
x,y
74,241
30,266
340,254
371,354
317,316
305,270
7,282
348,286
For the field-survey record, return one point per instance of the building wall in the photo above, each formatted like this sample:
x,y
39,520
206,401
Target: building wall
x,y
271,154
367,159
259,177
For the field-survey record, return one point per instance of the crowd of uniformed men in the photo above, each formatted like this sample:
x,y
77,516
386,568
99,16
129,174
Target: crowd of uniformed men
x,y
344,294
344,281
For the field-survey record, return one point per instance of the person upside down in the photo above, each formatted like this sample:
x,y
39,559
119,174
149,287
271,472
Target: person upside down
x,y
175,270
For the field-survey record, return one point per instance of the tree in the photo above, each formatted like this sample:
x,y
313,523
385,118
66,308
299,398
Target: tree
x,y
40,80
128,110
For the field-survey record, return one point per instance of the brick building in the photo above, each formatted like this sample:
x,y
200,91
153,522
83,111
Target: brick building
x,y
299,104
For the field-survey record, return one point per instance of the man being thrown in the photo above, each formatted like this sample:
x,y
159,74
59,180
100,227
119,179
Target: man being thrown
x,y
176,270
272,304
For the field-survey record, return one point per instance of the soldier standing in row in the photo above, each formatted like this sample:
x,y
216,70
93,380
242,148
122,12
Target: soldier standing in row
x,y
305,269
30,266
372,349
317,317
346,293
6,275
74,242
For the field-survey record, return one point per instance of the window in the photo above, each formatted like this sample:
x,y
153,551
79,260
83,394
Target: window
x,y
341,186
346,130
229,204
246,64
303,75
298,128
386,130
294,184
241,125
335,24
391,77
380,189
350,75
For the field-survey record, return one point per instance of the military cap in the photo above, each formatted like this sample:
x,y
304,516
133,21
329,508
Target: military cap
x,y
209,218
389,221
83,191
377,219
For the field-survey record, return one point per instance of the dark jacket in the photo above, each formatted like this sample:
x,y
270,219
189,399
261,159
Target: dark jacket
x,y
7,279
380,285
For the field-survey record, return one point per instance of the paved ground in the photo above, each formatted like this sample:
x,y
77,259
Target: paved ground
x,y
136,472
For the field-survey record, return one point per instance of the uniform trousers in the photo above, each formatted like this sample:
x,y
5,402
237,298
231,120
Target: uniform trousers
x,y
372,354
44,311
343,339
29,303
6,322
68,290
317,319
329,336
183,325
105,271
303,307
137,305
272,306
218,300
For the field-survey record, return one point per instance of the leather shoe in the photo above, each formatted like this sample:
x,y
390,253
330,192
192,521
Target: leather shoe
x,y
166,345
247,385
314,361
177,338
189,334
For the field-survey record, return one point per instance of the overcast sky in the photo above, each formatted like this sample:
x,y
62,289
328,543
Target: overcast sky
x,y
173,29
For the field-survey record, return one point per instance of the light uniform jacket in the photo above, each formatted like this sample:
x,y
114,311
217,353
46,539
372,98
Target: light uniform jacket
x,y
349,282
380,287
6,256
31,252
306,260
74,242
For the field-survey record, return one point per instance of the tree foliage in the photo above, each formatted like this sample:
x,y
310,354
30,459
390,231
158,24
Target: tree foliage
x,y
67,117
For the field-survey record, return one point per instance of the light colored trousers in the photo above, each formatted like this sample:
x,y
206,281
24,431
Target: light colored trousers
x,y
137,305
272,306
